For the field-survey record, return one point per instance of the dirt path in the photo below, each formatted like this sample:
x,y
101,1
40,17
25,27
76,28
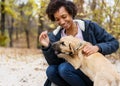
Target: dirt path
x,y
22,67
25,67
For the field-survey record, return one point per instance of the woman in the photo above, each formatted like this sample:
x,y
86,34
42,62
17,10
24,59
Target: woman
x,y
60,72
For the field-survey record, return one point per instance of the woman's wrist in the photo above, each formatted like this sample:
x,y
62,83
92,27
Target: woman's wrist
x,y
46,47
98,48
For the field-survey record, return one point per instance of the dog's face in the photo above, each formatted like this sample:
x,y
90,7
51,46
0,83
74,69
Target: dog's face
x,y
67,45
68,48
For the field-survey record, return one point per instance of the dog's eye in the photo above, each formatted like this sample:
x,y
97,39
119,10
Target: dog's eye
x,y
62,43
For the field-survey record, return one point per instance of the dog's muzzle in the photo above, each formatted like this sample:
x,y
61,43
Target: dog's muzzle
x,y
56,47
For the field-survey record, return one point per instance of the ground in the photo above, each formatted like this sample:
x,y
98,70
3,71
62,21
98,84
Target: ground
x,y
22,67
25,67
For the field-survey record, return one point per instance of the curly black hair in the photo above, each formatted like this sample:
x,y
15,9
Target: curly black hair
x,y
54,6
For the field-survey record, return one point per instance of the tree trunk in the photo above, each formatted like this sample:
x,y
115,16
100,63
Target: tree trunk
x,y
80,8
2,18
27,38
16,30
11,33
93,5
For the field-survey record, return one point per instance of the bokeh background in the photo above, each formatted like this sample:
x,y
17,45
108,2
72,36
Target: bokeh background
x,y
21,21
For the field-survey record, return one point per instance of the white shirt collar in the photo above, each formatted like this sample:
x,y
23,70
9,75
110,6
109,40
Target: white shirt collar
x,y
79,22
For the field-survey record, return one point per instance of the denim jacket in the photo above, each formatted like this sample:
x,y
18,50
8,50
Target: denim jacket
x,y
91,32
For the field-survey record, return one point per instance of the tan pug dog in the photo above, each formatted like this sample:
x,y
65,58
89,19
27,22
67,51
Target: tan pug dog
x,y
98,68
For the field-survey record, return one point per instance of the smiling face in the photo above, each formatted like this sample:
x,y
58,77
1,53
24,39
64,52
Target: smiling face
x,y
63,18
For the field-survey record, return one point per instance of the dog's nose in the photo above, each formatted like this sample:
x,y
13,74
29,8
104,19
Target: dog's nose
x,y
54,46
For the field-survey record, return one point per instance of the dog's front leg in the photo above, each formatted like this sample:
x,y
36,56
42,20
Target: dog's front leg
x,y
71,59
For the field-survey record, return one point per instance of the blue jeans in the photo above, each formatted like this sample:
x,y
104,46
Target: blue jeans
x,y
65,75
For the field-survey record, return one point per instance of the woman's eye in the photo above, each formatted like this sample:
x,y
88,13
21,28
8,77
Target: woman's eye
x,y
64,16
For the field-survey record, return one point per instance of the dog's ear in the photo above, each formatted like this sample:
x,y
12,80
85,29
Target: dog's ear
x,y
71,48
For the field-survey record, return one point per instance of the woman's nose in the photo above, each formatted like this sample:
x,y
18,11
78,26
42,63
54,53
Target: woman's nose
x,y
62,22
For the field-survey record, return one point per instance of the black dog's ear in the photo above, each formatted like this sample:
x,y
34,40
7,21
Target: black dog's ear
x,y
72,49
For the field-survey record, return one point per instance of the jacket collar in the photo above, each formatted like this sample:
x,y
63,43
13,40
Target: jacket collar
x,y
81,24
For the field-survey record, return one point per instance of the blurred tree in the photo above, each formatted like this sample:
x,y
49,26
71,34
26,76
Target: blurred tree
x,y
105,14
26,11
29,18
10,16
2,17
80,6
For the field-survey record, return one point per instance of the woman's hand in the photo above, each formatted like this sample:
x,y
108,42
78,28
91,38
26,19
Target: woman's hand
x,y
44,39
90,49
